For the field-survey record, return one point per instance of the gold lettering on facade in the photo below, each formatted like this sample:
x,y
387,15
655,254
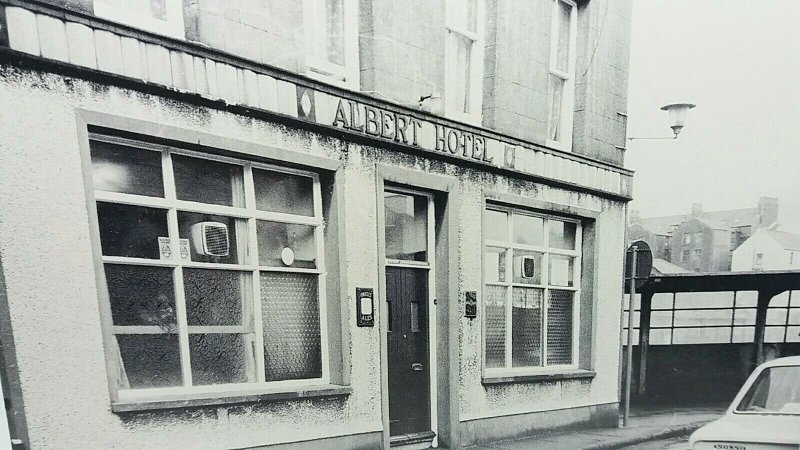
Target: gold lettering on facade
x,y
405,129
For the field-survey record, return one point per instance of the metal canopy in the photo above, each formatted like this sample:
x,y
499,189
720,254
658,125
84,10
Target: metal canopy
x,y
770,280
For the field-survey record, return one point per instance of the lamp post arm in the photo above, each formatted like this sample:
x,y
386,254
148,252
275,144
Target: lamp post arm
x,y
652,138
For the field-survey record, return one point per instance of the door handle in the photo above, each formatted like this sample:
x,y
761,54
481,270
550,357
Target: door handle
x,y
416,366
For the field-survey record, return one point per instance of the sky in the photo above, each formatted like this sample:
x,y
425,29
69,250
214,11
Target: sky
x,y
739,62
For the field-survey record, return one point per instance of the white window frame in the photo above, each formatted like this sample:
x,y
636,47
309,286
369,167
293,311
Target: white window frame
x,y
321,69
172,205
475,85
173,26
509,285
568,95
758,260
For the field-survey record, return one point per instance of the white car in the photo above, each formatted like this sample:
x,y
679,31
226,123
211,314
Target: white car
x,y
764,415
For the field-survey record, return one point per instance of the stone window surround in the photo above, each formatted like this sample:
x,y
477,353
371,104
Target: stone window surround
x,y
585,333
336,384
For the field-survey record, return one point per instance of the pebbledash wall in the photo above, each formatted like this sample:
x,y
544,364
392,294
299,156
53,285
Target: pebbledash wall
x,y
65,73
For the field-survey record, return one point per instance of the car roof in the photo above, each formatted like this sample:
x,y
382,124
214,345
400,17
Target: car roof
x,y
786,361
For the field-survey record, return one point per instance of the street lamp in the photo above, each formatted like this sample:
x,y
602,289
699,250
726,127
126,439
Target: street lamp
x,y
677,119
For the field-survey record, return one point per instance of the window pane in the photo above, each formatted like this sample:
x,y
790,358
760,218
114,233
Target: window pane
x,y
562,234
206,181
528,230
334,27
149,360
471,10
526,327
562,45
495,305
131,230
463,14
459,96
494,262
527,267
290,313
283,192
286,245
212,238
406,226
554,121
141,295
157,8
215,297
221,358
561,270
117,168
496,223
559,327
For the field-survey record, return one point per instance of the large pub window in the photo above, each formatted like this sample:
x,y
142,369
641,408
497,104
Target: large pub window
x,y
532,266
214,269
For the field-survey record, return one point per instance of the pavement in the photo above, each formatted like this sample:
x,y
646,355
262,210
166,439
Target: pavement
x,y
643,426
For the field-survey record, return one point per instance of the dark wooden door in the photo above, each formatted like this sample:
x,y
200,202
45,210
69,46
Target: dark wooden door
x,y
409,374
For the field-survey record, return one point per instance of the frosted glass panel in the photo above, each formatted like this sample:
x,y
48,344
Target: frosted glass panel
x,y
495,305
215,297
559,327
150,360
290,313
526,327
221,358
141,295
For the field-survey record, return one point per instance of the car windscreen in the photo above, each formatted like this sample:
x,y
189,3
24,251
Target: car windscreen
x,y
775,391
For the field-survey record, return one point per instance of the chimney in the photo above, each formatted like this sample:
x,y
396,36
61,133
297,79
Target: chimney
x,y
697,210
767,211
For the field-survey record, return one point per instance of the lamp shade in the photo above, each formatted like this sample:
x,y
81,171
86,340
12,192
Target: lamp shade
x,y
677,115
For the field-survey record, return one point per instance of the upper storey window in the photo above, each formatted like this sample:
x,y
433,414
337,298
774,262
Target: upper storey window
x,y
464,59
562,75
159,16
331,28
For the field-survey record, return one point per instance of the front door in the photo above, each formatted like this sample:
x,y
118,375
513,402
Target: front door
x,y
409,374
409,266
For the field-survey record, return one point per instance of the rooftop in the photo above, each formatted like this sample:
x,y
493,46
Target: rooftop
x,y
717,219
789,241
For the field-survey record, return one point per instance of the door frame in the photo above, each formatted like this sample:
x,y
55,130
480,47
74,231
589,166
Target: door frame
x,y
443,284
430,268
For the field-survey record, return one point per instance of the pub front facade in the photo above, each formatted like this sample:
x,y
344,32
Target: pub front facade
x,y
331,223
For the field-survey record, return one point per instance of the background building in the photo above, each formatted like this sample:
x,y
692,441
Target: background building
x,y
237,224
768,250
703,241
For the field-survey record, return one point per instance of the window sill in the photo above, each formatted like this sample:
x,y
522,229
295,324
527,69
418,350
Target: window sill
x,y
572,374
558,145
229,398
